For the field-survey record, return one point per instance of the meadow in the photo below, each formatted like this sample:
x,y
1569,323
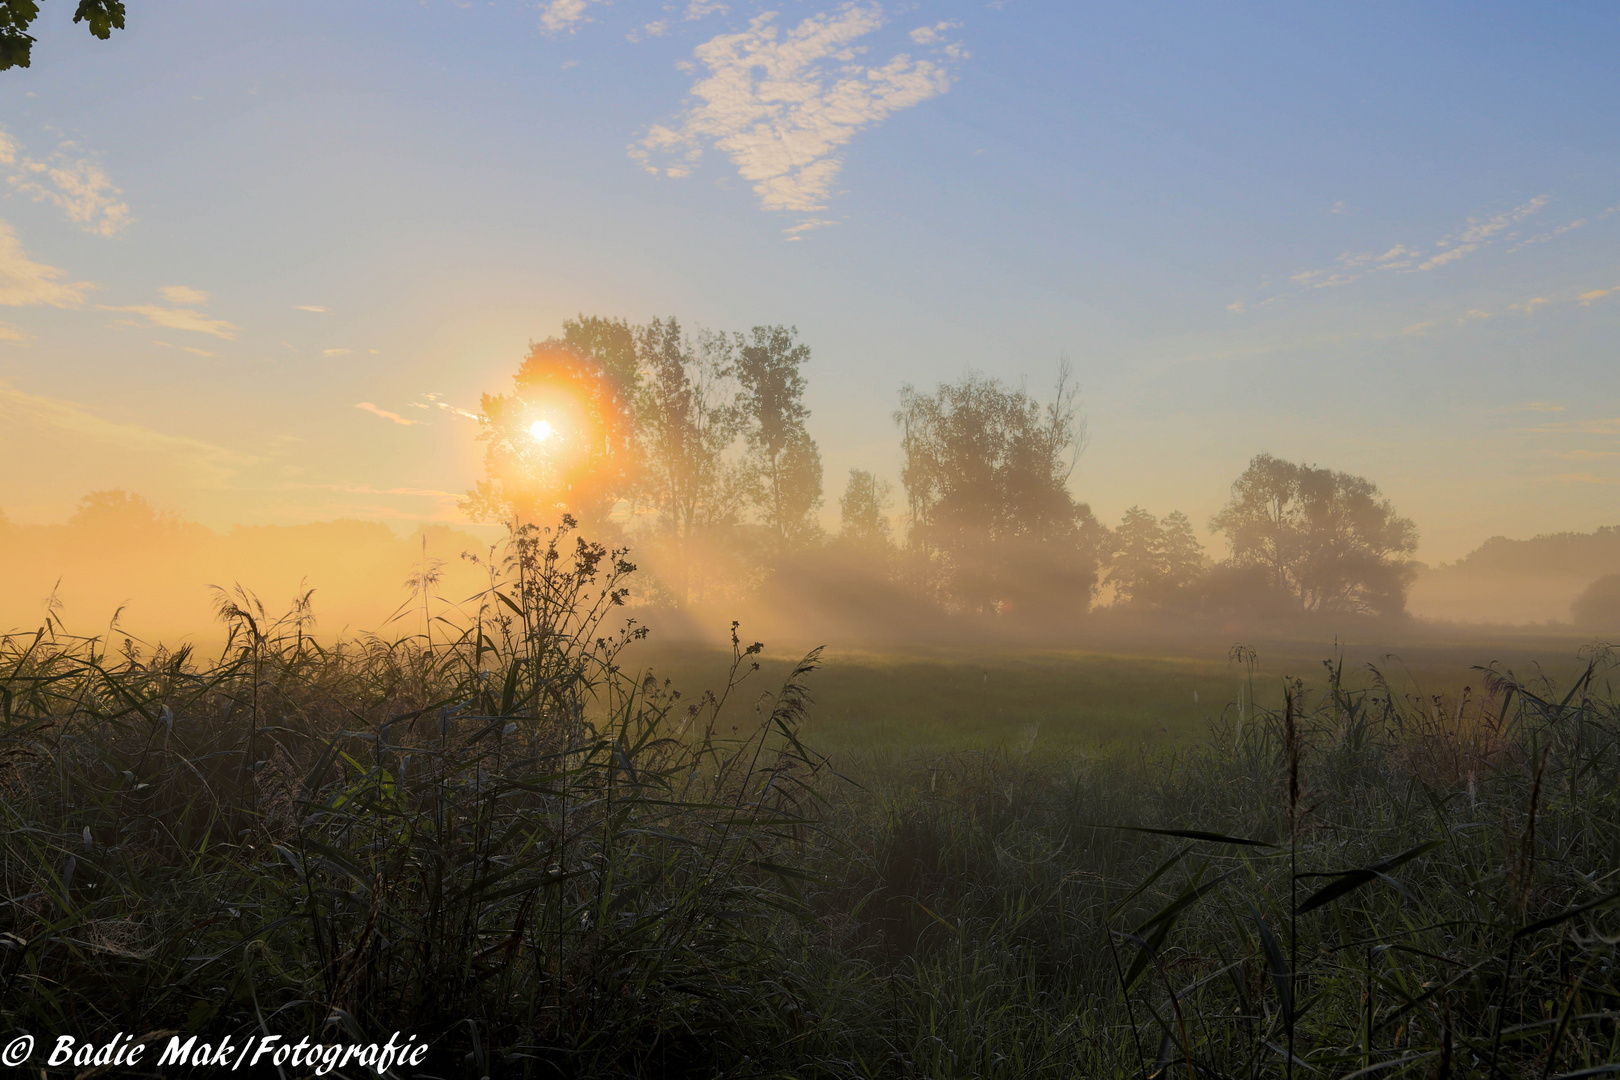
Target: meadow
x,y
546,860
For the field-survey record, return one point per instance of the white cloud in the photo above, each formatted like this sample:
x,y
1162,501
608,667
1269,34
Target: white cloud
x,y
181,294
780,105
180,319
384,413
1596,294
557,16
936,37
652,29
336,352
702,9
1529,306
1339,208
1237,307
310,307
74,183
25,283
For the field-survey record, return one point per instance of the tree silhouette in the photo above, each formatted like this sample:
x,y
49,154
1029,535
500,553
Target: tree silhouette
x,y
584,463
862,520
986,476
784,465
1326,539
1153,563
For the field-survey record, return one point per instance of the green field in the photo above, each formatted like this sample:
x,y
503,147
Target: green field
x,y
925,701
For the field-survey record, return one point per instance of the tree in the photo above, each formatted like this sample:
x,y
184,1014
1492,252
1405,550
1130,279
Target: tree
x,y
1326,539
986,476
562,441
17,17
784,464
862,520
687,416
1151,563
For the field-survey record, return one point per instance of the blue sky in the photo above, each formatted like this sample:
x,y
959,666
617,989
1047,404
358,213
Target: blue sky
x,y
1382,238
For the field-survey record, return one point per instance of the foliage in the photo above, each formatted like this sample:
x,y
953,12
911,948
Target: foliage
x,y
863,520
1325,538
546,866
1151,562
986,476
507,842
101,18
783,462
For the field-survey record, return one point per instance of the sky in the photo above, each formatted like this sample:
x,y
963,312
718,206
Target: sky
x,y
258,260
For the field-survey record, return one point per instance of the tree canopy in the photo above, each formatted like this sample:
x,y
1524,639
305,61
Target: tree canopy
x,y
986,473
1326,539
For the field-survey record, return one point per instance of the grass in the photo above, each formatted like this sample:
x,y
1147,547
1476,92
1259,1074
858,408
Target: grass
x,y
1059,702
513,844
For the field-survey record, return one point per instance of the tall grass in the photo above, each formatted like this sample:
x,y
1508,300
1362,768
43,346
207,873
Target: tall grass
x,y
545,863
506,843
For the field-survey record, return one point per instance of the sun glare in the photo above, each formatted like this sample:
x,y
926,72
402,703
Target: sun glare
x,y
540,431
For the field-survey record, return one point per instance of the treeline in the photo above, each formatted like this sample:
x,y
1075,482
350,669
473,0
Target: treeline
x,y
691,446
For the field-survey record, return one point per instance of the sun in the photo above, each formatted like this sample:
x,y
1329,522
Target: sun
x,y
540,431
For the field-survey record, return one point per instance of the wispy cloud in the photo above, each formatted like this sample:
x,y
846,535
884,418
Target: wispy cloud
x,y
1400,258
206,463
1586,478
384,413
432,401
1606,425
12,334
75,183
26,283
702,9
781,104
1542,238
184,295
1586,298
180,319
336,352
310,307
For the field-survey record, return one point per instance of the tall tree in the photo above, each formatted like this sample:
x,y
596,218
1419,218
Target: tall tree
x,y
687,416
986,476
1326,539
863,522
784,463
1151,562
